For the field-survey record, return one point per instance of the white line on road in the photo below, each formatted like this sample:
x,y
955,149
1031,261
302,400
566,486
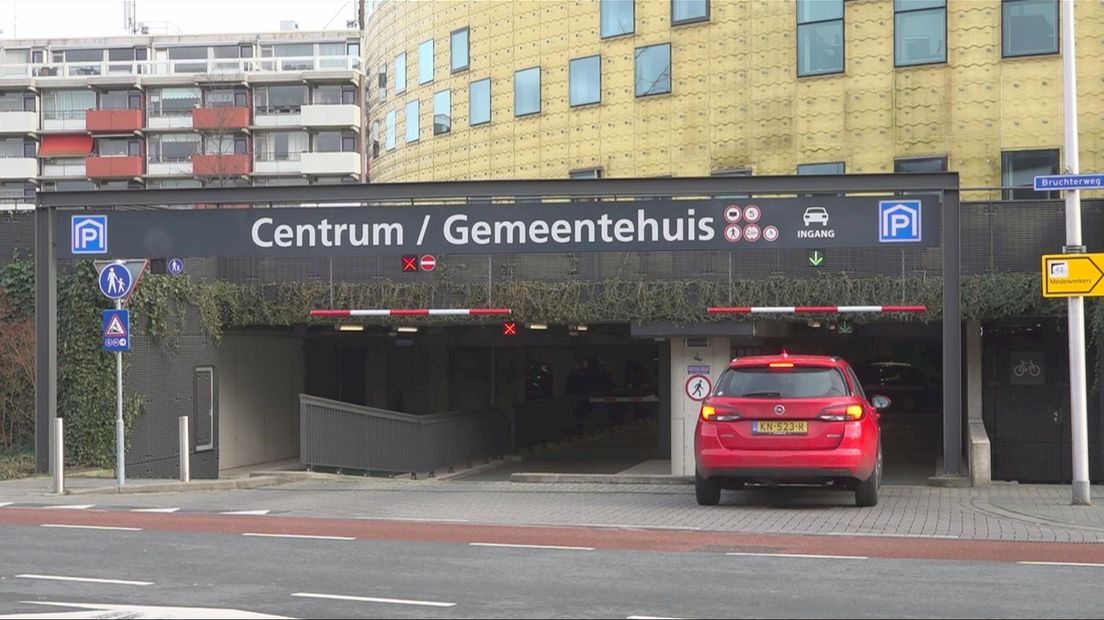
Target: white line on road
x,y
509,546
256,513
1078,564
2,504
650,618
72,507
308,536
371,599
164,510
121,582
799,556
93,527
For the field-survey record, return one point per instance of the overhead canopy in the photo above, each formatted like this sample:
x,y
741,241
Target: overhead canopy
x,y
65,146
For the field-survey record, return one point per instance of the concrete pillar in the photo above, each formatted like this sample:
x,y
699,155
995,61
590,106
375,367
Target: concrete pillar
x,y
979,454
684,411
664,395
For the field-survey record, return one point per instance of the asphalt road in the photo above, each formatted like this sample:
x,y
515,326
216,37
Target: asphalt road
x,y
393,569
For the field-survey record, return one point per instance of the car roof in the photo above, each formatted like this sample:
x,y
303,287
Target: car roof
x,y
800,360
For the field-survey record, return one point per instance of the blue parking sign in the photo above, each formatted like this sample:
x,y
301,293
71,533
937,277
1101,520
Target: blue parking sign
x,y
116,331
89,234
899,221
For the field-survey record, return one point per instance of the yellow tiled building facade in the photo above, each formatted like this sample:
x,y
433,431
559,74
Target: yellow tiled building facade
x,y
736,101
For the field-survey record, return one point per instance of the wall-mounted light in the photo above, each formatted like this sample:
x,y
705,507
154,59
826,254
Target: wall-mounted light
x,y
581,328
537,326
408,330
350,328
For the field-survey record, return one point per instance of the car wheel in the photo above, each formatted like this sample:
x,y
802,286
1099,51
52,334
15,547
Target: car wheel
x,y
866,493
707,491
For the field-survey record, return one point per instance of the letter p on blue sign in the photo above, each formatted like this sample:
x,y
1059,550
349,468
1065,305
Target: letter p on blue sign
x,y
899,221
89,234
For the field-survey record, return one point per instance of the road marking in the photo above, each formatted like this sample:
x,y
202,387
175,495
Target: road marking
x,y
164,510
256,513
870,535
72,507
93,527
372,599
415,519
121,582
650,618
509,546
93,610
804,556
620,526
308,536
2,504
1078,564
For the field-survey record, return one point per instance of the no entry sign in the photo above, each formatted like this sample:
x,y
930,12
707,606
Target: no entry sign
x,y
428,262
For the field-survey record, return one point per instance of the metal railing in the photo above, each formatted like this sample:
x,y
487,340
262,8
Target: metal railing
x,y
343,435
182,66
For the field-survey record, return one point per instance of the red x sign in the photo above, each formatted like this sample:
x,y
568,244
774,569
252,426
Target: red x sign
x,y
409,263
509,328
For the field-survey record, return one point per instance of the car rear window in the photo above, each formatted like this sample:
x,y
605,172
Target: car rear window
x,y
798,382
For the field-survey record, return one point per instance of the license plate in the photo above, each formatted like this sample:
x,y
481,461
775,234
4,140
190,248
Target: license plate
x,y
781,428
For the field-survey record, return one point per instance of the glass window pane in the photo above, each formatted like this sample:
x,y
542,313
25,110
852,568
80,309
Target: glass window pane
x,y
921,164
820,48
828,168
818,10
400,73
689,10
425,62
527,91
331,49
479,102
913,5
412,120
288,50
1019,169
653,70
442,112
585,80
381,80
617,17
921,37
1029,27
458,52
390,138
329,94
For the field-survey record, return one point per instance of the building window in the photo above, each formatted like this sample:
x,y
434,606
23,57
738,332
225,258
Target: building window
x,y
68,104
479,102
121,100
281,145
287,99
819,37
835,167
334,142
225,145
617,17
425,62
412,114
333,94
919,32
375,139
689,11
382,82
442,112
400,73
173,147
653,70
459,50
117,147
229,98
389,139
920,164
11,147
585,80
589,173
1019,169
173,101
527,91
1029,27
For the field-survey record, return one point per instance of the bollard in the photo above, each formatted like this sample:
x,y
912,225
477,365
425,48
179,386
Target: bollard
x,y
59,455
185,451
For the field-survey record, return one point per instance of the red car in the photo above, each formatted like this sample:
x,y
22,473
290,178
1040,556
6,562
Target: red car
x,y
796,419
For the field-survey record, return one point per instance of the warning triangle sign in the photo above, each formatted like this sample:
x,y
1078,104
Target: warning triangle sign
x,y
115,327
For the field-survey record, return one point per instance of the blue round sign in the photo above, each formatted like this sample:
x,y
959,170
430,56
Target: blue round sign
x,y
176,266
116,281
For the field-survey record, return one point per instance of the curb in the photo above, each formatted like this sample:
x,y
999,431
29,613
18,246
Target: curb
x,y
653,479
173,487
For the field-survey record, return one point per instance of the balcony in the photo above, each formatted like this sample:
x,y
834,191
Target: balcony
x,y
67,168
113,121
18,168
220,118
18,122
167,168
170,121
232,66
114,167
278,116
331,164
331,116
63,120
221,165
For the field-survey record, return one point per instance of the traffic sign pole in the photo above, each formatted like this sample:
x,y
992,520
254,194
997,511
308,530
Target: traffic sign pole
x,y
1076,314
120,447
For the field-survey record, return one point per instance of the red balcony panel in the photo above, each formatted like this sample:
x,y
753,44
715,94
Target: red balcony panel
x,y
220,118
113,121
114,167
221,165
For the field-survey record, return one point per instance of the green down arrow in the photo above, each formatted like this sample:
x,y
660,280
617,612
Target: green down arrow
x,y
816,257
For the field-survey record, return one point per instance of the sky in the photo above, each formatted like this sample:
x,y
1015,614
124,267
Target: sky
x,y
30,19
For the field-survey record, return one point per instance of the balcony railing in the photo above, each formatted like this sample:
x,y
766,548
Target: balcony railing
x,y
167,67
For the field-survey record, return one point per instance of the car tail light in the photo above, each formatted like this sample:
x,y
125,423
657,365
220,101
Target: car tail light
x,y
841,413
719,413
781,364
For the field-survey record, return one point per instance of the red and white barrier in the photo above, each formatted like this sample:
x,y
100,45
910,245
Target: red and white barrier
x,y
414,312
813,309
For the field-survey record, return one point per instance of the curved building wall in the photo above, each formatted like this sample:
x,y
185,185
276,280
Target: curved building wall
x,y
736,101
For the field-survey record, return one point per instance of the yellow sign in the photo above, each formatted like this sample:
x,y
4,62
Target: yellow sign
x,y
1073,275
